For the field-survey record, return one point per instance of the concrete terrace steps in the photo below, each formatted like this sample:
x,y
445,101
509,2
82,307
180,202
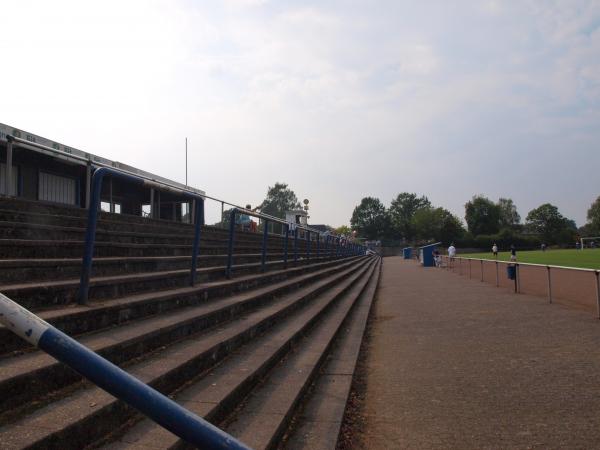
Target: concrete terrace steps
x,y
88,414
28,230
265,415
273,369
43,294
78,319
43,248
318,421
32,376
13,271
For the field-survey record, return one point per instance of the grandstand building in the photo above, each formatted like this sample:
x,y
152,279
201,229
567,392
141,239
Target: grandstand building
x,y
61,174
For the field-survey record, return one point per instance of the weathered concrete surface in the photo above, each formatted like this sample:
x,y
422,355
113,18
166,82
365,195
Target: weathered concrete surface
x,y
456,363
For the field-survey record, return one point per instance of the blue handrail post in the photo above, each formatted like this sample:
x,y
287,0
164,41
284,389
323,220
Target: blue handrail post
x,y
230,244
90,236
198,222
263,258
285,246
296,245
318,245
307,245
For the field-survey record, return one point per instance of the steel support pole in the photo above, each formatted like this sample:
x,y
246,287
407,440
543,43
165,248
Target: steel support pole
x,y
152,209
197,225
230,243
318,245
111,205
469,269
481,270
9,169
307,245
263,257
285,246
516,277
598,292
549,285
296,245
88,184
497,278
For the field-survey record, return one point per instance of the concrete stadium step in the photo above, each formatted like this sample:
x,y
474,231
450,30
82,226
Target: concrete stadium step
x,y
14,271
116,223
317,423
218,392
267,412
33,231
76,319
43,294
89,414
25,248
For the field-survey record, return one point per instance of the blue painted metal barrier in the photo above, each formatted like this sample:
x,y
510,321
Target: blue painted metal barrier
x,y
94,207
264,245
230,244
296,245
285,246
164,411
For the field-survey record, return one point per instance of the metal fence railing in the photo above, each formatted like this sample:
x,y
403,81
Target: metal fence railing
x,y
567,285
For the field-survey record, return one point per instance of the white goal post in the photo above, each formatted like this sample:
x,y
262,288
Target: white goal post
x,y
588,238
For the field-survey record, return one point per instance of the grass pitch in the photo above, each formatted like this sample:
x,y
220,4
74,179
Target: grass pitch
x,y
588,258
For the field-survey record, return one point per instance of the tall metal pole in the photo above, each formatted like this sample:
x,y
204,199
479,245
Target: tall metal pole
x,y
186,161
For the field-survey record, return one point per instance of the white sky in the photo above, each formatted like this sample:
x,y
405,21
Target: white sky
x,y
338,99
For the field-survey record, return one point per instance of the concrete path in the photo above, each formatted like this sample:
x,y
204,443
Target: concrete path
x,y
456,363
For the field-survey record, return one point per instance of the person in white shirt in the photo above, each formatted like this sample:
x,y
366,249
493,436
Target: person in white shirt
x,y
452,251
495,250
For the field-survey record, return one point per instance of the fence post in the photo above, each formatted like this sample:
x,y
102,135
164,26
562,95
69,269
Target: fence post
x,y
230,244
481,270
598,292
549,286
263,257
469,269
307,245
497,279
285,246
516,278
198,221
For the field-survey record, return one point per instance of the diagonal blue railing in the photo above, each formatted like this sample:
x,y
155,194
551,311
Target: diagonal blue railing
x,y
164,411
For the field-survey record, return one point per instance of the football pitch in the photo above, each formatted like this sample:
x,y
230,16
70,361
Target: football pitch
x,y
588,258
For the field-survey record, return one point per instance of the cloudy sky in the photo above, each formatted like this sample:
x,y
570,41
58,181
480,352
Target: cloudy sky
x,y
339,99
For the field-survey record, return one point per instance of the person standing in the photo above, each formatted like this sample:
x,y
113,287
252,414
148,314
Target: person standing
x,y
451,254
513,253
495,250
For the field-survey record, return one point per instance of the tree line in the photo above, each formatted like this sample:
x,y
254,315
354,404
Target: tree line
x,y
412,218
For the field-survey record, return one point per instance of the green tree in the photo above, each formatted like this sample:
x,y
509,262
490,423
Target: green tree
x,y
344,229
280,198
482,215
549,223
509,217
402,211
370,219
437,224
593,216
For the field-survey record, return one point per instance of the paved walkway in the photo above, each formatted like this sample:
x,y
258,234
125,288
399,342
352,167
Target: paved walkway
x,y
456,363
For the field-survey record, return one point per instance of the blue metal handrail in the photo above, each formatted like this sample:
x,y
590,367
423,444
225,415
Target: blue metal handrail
x,y
158,407
266,219
90,233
